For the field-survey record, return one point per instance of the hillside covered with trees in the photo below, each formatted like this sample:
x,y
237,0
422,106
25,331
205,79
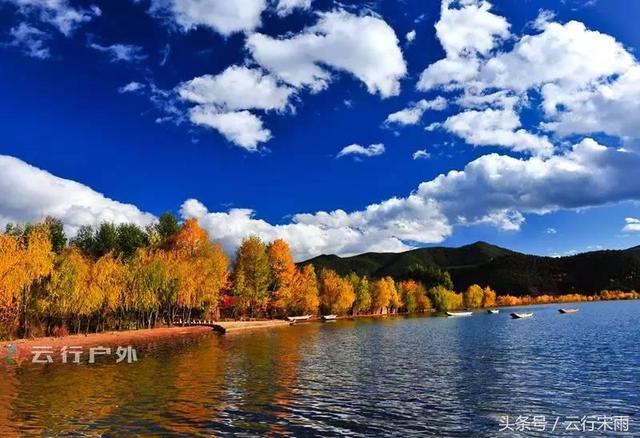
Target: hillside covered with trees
x,y
507,272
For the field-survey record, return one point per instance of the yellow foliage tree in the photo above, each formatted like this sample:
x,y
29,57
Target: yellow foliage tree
x,y
445,299
12,276
305,296
283,271
382,291
473,297
67,290
395,300
107,285
213,267
35,267
336,293
251,276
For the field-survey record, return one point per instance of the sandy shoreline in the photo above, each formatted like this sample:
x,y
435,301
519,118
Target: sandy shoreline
x,y
128,336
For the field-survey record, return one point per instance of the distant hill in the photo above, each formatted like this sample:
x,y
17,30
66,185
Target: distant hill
x,y
504,270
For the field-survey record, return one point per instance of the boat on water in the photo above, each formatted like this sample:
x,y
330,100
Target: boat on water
x,y
299,318
568,310
521,315
329,317
459,313
493,311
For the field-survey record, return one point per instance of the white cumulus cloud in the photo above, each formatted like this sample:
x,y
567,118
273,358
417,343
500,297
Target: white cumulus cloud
x,y
355,149
224,17
242,128
286,7
586,80
31,194
632,225
410,36
494,189
470,28
497,127
237,88
380,227
589,174
223,102
412,114
365,46
421,154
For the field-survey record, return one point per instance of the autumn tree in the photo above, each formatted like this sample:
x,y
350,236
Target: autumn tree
x,y
360,285
283,272
444,299
67,297
191,237
423,303
408,291
251,275
12,281
201,268
213,266
37,265
488,297
381,292
336,293
107,285
152,279
305,295
473,297
12,278
395,300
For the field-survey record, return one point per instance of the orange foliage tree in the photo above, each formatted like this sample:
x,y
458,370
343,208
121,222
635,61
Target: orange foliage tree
x,y
336,293
305,295
283,273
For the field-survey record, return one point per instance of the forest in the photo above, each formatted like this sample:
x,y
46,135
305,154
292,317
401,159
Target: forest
x,y
118,277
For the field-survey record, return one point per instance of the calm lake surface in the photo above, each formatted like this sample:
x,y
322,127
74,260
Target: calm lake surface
x,y
396,376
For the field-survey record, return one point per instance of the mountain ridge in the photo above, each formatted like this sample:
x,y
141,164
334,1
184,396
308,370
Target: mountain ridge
x,y
505,270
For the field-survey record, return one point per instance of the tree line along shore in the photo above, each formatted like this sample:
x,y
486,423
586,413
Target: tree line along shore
x,y
123,277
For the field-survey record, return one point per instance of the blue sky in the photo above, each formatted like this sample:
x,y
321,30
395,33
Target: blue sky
x,y
309,82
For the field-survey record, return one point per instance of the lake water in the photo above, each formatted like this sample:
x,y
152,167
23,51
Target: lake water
x,y
396,376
